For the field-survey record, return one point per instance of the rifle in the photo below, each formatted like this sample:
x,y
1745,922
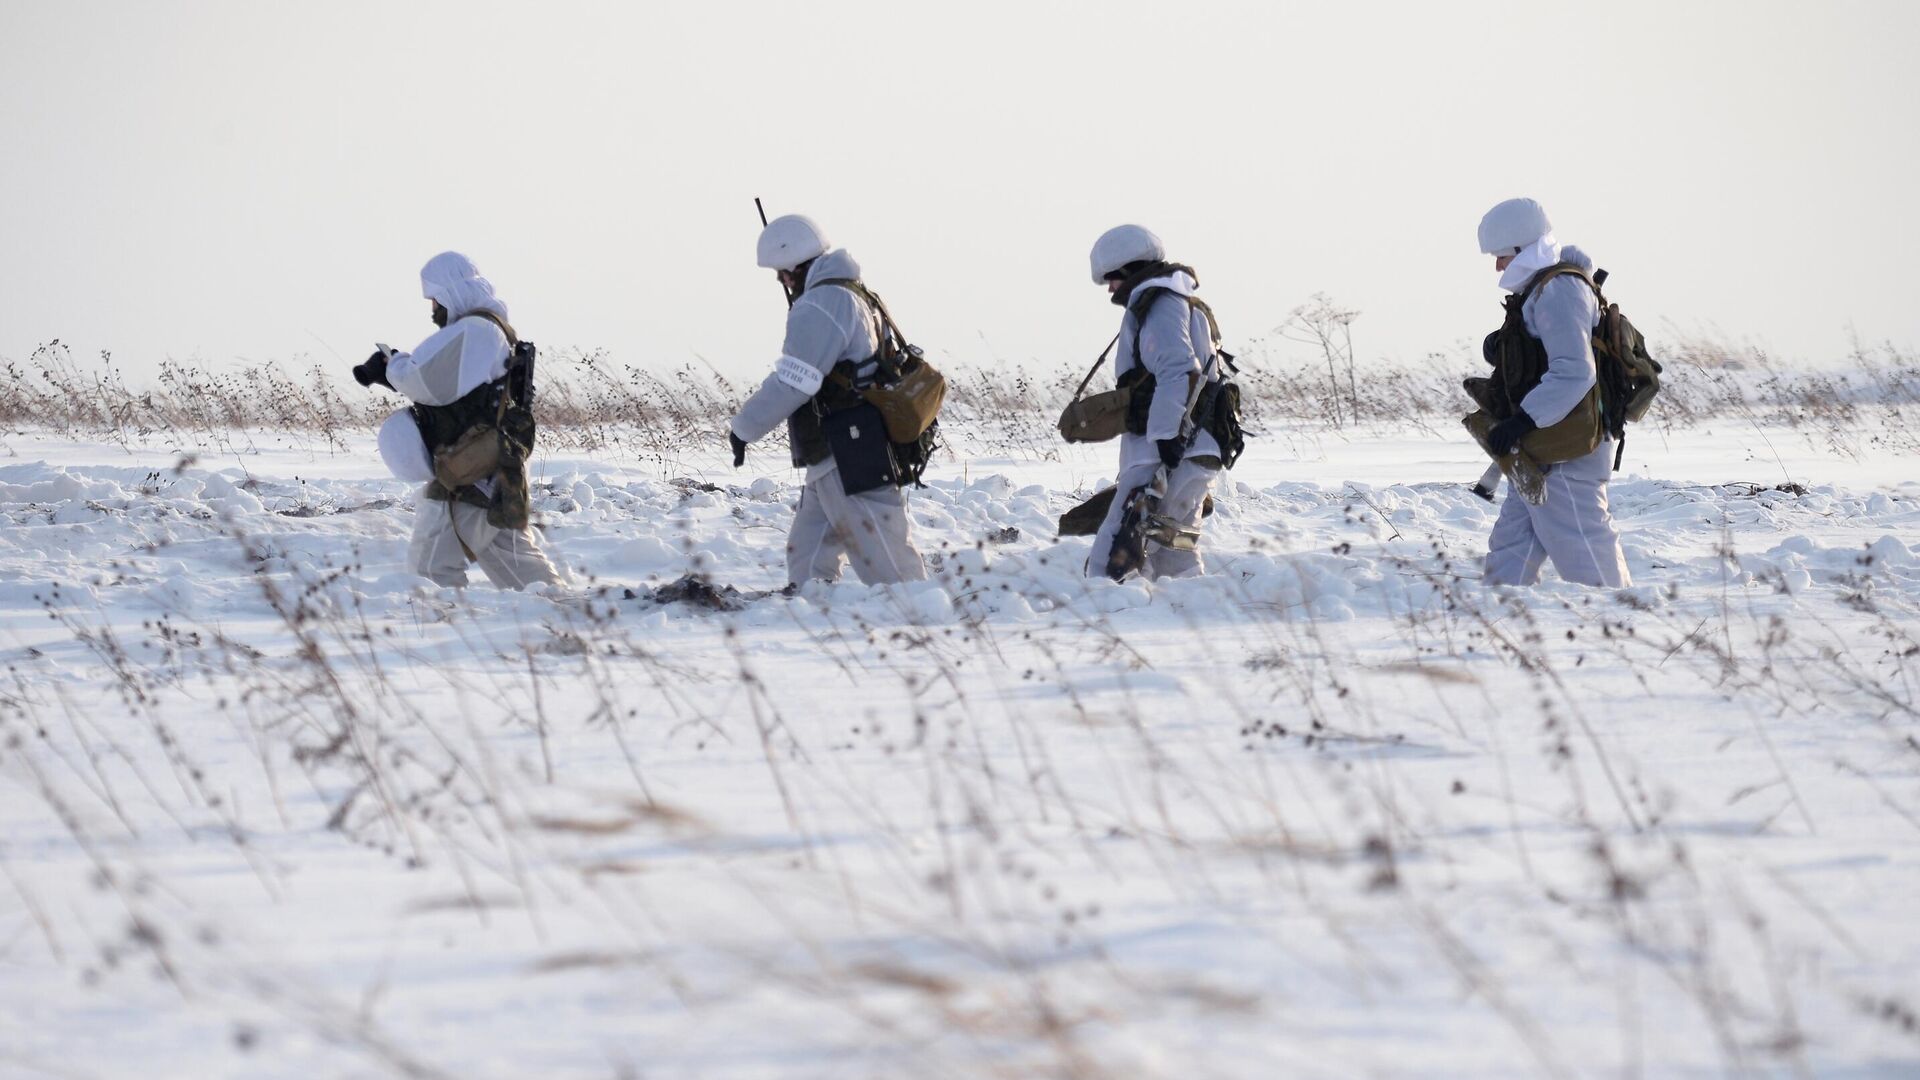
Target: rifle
x,y
784,291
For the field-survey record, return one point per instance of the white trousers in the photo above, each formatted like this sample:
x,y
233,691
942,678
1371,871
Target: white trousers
x,y
512,558
1185,499
871,528
1573,527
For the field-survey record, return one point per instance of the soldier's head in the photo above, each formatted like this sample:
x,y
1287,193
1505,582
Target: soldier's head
x,y
1510,228
788,246
455,287
1120,253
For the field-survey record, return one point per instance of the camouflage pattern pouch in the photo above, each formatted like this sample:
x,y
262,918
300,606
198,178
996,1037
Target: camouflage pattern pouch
x,y
511,506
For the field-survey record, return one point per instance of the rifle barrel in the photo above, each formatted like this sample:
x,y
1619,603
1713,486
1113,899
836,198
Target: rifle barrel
x,y
784,291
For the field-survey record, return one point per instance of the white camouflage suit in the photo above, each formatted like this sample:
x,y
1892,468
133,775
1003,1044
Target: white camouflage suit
x,y
1176,341
827,325
457,359
1574,527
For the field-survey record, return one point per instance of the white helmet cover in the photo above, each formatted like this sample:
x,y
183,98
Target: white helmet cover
x,y
451,280
1121,245
1513,225
790,240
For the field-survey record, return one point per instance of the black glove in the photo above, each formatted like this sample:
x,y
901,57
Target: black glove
x,y
373,371
1506,434
1172,452
739,449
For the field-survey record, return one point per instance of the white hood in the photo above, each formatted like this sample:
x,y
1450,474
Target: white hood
x,y
1532,259
452,280
1179,282
834,264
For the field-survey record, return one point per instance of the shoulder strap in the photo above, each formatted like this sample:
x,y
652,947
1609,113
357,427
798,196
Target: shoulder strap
x,y
859,288
1140,305
513,339
888,326
1095,369
1562,269
1213,324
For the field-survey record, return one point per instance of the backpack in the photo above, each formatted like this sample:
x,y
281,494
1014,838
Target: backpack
x,y
1633,376
907,392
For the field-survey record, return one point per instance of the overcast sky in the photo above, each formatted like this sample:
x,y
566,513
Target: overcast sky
x,y
262,181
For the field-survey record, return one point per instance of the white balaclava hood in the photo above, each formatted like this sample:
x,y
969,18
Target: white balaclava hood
x,y
1532,259
451,279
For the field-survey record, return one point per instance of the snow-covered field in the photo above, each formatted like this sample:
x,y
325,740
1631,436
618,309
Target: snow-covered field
x,y
269,806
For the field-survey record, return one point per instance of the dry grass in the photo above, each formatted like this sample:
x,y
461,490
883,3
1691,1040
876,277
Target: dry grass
x,y
327,712
589,403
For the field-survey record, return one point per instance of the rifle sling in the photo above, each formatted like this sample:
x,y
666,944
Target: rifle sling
x,y
513,339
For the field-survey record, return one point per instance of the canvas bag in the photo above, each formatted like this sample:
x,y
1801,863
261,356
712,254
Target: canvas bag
x,y
909,391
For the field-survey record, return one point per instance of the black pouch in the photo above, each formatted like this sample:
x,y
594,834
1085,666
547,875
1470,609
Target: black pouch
x,y
911,458
1221,418
1140,384
861,452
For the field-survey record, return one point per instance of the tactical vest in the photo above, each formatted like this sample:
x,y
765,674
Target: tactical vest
x,y
838,391
442,425
1519,359
1626,377
1217,408
499,415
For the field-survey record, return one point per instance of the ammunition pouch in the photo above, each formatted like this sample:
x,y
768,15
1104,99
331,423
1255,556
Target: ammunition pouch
x,y
1217,412
804,435
1139,384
